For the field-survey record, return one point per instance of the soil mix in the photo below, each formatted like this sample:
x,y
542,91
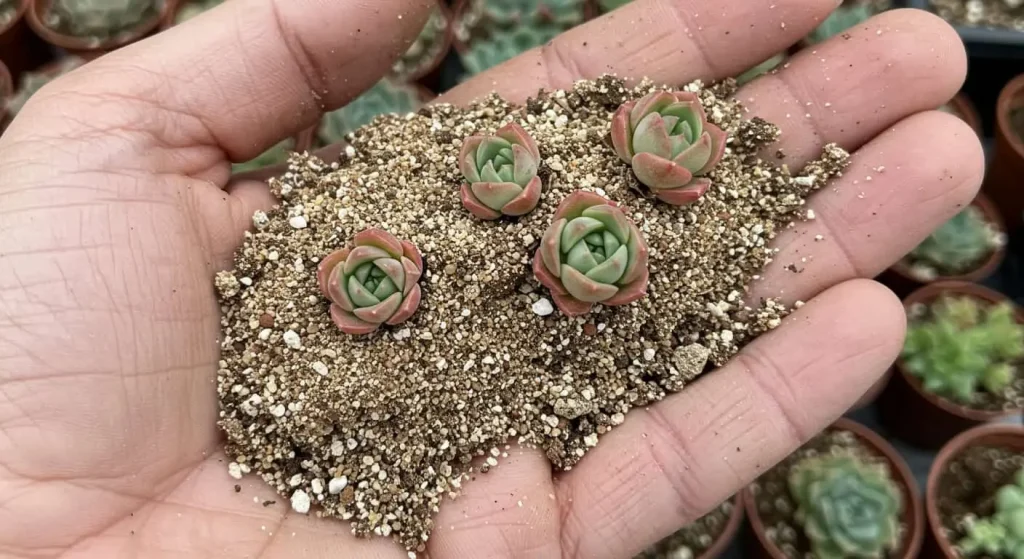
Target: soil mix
x,y
777,508
968,485
379,429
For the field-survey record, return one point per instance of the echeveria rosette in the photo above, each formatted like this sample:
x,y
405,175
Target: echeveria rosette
x,y
591,253
501,173
669,143
374,282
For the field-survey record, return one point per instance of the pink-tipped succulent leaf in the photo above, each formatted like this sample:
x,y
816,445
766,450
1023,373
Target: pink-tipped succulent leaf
x,y
373,282
501,173
591,253
668,141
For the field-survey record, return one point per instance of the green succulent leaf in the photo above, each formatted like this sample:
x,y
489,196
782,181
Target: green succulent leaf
x,y
1002,533
957,247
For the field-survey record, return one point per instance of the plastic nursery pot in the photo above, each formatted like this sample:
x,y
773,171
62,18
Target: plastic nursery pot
x,y
899,279
1004,181
913,511
20,49
920,417
1009,436
83,47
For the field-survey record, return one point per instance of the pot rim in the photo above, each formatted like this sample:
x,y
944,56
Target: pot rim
x,y
913,510
1011,97
987,266
19,15
927,294
954,447
967,111
81,45
732,527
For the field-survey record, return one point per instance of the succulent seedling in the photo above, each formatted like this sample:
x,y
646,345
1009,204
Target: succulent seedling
x,y
957,247
591,253
1002,534
669,143
501,173
846,506
275,155
964,346
100,19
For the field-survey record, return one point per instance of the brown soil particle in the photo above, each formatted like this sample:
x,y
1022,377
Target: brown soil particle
x,y
968,485
694,539
1007,14
390,422
776,506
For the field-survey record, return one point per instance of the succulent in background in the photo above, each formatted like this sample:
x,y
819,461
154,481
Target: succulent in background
x,y
426,48
374,282
846,506
386,97
8,9
506,45
961,244
591,253
100,19
964,346
277,154
762,69
501,173
507,13
669,142
31,82
609,5
1002,534
849,14
192,8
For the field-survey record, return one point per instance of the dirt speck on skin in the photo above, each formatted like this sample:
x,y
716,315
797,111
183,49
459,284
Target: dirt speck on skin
x,y
401,414
777,508
968,486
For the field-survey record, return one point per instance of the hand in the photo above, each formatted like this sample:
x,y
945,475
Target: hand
x,y
117,208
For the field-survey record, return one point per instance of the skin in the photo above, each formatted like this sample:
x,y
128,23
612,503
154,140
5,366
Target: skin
x,y
117,207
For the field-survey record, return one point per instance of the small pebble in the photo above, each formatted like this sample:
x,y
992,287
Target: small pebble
x,y
543,307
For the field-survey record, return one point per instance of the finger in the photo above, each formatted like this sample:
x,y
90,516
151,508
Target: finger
x,y
510,512
853,86
250,72
899,188
672,462
669,41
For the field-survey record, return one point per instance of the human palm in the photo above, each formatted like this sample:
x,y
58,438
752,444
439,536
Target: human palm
x,y
117,208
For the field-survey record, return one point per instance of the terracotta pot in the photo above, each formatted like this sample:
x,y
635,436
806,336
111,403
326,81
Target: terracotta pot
x,y
913,510
1003,181
936,544
20,49
962,106
899,279
732,527
919,417
83,47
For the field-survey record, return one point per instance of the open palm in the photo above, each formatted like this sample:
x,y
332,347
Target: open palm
x,y
117,208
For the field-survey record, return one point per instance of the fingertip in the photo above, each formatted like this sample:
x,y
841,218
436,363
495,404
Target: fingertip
x,y
925,40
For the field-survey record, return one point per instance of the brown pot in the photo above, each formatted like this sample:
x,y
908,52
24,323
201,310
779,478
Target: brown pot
x,y
913,510
1003,181
919,417
899,279
20,49
83,47
936,544
732,527
962,106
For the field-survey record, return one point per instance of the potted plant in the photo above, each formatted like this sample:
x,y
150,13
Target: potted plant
x,y
90,29
1002,180
960,365
388,96
974,497
33,80
845,493
969,247
489,32
706,538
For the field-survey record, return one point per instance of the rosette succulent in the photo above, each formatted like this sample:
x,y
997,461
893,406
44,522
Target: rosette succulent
x,y
591,253
1002,534
846,506
371,283
669,143
501,173
100,18
960,245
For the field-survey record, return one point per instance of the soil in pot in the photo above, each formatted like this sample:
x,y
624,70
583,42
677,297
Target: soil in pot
x,y
705,538
892,511
1007,14
960,365
325,416
965,490
89,29
968,247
